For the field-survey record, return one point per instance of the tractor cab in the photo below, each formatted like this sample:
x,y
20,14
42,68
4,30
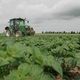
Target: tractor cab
x,y
17,21
17,27
17,24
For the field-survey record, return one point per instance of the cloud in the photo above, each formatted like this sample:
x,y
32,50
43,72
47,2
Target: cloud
x,y
68,9
65,10
39,11
21,8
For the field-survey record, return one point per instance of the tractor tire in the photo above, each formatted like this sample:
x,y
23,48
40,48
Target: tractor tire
x,y
8,33
18,34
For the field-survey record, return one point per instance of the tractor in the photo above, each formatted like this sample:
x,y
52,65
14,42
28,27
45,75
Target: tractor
x,y
17,27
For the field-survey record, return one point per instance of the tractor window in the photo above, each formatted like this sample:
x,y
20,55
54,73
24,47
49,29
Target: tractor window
x,y
17,22
22,23
11,23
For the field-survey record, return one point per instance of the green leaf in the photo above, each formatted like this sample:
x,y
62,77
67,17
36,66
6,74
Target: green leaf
x,y
24,68
3,61
46,77
37,56
17,50
51,61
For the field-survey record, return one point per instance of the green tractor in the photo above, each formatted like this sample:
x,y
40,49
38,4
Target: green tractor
x,y
17,27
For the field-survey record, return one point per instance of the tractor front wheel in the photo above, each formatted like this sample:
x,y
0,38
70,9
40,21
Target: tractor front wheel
x,y
18,33
8,33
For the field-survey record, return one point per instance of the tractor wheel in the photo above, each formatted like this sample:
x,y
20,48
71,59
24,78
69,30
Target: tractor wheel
x,y
8,33
18,33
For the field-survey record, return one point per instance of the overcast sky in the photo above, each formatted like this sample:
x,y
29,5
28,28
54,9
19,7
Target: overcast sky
x,y
44,15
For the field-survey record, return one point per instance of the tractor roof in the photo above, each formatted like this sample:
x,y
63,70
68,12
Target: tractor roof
x,y
17,19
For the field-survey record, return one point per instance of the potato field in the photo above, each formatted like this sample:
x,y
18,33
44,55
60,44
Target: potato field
x,y
40,57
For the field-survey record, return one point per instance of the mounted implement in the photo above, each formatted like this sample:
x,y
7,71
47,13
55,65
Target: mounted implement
x,y
17,27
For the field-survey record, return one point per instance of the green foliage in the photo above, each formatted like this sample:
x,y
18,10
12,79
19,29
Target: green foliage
x,y
41,57
28,72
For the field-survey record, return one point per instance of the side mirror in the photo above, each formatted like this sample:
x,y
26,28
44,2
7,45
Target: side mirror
x,y
27,20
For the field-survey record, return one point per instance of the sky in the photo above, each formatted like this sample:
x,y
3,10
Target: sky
x,y
44,15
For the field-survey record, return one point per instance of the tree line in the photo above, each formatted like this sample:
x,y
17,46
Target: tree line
x,y
64,32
